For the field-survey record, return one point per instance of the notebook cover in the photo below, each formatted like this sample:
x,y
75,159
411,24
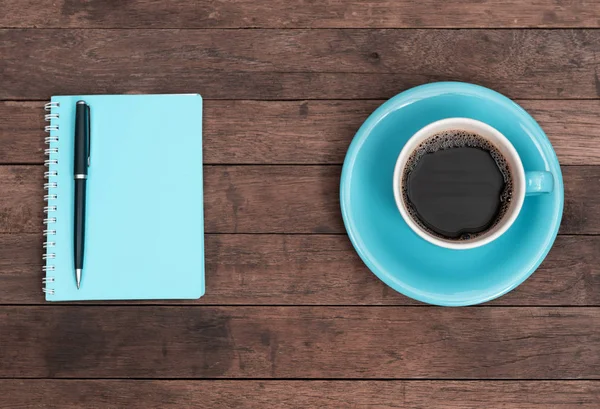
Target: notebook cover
x,y
144,234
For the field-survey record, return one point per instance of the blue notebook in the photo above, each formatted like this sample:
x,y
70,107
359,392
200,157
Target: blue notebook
x,y
144,234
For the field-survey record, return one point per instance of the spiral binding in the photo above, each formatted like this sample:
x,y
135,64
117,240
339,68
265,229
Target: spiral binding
x,y
51,140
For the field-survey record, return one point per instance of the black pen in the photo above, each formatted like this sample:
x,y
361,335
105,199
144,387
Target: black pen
x,y
81,161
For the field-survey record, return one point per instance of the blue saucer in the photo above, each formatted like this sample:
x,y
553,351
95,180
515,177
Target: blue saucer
x,y
399,257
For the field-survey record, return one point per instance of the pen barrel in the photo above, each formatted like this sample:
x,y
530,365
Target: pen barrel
x,y
81,138
79,220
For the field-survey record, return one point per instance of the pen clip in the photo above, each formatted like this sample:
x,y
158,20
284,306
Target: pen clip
x,y
89,134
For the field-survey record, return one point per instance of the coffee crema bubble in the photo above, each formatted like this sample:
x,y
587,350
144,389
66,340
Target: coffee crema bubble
x,y
457,185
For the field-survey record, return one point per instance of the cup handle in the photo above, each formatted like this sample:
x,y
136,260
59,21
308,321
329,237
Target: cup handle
x,y
538,181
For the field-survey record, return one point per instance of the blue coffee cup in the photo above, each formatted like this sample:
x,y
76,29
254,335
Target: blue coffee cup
x,y
523,183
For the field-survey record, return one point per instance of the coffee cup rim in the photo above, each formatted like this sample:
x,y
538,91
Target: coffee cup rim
x,y
517,172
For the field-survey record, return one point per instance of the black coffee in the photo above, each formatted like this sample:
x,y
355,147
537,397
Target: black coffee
x,y
457,185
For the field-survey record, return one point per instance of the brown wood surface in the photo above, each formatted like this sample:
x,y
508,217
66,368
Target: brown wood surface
x,y
297,64
303,132
275,199
304,14
314,270
301,394
299,342
286,85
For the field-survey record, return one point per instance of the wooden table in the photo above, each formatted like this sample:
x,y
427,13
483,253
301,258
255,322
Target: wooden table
x,y
291,316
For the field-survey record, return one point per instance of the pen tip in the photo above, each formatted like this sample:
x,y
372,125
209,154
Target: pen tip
x,y
78,276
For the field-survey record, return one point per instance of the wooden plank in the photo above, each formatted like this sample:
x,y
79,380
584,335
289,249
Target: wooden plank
x,y
22,132
300,342
314,270
21,202
274,199
581,210
303,132
65,394
282,14
21,268
297,64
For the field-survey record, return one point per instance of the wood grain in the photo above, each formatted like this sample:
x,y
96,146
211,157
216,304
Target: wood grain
x,y
303,132
297,64
22,132
314,270
73,394
21,202
299,342
306,14
288,296
274,199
